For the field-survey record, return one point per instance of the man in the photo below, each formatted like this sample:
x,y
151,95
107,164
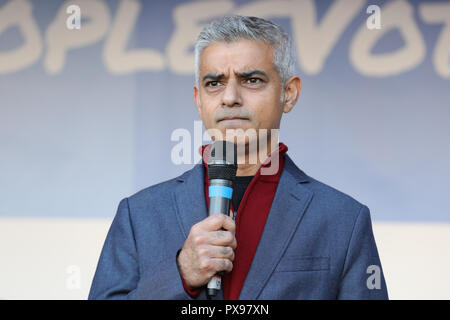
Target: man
x,y
293,237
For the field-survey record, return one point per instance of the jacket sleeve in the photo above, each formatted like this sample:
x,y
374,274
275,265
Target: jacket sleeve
x,y
118,275
362,276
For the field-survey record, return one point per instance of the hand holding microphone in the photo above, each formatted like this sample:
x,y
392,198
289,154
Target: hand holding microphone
x,y
207,250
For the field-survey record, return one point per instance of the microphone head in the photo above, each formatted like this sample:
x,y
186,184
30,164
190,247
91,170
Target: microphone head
x,y
223,152
222,162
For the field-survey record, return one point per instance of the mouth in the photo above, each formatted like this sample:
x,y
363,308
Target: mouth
x,y
233,123
232,119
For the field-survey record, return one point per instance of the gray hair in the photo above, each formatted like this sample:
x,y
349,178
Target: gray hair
x,y
234,28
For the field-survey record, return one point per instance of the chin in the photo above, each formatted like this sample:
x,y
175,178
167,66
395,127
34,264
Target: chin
x,y
241,136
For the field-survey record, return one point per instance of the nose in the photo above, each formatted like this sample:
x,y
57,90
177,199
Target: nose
x,y
231,96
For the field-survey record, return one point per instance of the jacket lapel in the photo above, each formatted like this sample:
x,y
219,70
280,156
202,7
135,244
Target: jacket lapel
x,y
288,207
189,196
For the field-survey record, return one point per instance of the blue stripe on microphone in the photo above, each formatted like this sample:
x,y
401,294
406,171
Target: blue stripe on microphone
x,y
220,191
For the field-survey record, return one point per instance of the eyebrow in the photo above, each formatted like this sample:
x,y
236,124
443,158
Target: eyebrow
x,y
251,73
213,77
243,74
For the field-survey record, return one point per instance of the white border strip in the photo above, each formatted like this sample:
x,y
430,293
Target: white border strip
x,y
56,258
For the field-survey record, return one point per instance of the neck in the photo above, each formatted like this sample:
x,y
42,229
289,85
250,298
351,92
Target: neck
x,y
247,169
250,162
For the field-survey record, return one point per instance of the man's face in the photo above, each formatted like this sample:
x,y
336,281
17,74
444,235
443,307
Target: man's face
x,y
239,87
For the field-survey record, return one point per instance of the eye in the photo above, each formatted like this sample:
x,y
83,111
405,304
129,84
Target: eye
x,y
212,84
253,80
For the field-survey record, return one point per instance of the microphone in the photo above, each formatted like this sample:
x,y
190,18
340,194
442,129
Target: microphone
x,y
222,167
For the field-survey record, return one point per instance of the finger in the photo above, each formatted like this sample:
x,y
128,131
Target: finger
x,y
222,238
222,265
222,252
218,221
229,224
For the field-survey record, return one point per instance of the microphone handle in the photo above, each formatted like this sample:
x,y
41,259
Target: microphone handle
x,y
220,193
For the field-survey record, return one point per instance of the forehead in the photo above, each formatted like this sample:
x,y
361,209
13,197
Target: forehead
x,y
223,57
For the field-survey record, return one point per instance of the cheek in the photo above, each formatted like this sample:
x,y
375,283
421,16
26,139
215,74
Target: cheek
x,y
266,110
206,110
206,119
208,116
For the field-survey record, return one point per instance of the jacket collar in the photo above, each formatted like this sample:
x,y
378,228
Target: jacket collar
x,y
204,151
266,172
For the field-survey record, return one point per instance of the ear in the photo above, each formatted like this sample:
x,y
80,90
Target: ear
x,y
197,100
292,90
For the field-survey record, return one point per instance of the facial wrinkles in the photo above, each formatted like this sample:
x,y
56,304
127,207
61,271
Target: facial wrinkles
x,y
229,66
231,111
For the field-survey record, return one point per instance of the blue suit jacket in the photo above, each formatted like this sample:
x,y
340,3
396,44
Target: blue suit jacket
x,y
317,243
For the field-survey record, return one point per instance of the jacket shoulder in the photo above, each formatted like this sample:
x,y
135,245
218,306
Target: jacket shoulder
x,y
325,197
159,192
332,196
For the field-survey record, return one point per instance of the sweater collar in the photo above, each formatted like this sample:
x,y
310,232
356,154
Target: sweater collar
x,y
279,152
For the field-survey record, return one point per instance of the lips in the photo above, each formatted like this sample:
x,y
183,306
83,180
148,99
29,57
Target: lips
x,y
233,122
232,118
